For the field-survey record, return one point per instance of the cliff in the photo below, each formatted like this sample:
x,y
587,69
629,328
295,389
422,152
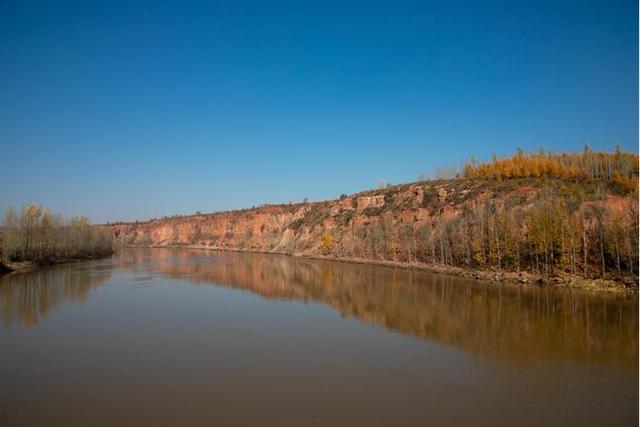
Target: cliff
x,y
539,226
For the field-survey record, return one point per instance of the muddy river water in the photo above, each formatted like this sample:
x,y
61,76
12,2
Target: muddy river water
x,y
183,337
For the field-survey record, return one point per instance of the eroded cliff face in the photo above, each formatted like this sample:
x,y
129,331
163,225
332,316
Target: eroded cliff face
x,y
299,228
545,227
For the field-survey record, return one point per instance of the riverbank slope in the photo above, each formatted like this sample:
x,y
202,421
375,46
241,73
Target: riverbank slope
x,y
522,230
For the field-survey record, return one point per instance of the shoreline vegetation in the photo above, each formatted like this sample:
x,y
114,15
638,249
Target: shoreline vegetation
x,y
556,218
36,237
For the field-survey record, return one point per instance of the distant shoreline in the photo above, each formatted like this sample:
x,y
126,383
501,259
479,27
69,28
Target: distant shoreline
x,y
26,266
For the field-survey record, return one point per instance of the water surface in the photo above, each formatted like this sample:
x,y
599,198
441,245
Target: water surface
x,y
182,337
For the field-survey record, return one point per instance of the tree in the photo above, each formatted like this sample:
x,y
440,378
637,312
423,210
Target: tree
x,y
327,244
38,235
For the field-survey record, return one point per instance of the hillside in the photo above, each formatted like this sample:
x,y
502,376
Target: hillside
x,y
560,226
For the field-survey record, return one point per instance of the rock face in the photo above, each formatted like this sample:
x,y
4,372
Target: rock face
x,y
465,223
299,228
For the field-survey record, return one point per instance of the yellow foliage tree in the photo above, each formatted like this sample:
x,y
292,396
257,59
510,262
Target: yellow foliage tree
x,y
327,244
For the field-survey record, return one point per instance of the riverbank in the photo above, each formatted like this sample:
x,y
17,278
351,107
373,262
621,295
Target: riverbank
x,y
521,278
459,225
24,266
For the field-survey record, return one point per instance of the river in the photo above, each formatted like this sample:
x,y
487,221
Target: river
x,y
187,337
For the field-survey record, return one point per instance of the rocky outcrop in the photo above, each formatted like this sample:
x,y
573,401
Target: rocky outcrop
x,y
299,227
474,224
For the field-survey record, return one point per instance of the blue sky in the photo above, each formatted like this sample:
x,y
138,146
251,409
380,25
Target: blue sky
x,y
135,110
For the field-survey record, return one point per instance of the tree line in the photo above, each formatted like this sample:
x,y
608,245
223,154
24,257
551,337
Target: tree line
x,y
36,234
619,168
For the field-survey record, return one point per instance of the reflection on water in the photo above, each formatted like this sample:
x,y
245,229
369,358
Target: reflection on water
x,y
505,322
27,298
499,321
174,337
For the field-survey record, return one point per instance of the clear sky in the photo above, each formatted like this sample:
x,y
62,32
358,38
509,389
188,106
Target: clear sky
x,y
134,110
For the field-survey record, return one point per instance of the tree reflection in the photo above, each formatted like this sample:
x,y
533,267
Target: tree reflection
x,y
499,321
27,298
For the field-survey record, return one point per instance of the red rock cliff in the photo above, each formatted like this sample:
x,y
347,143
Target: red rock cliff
x,y
537,225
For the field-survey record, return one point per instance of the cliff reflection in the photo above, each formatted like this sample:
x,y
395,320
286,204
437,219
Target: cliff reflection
x,y
27,298
498,321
